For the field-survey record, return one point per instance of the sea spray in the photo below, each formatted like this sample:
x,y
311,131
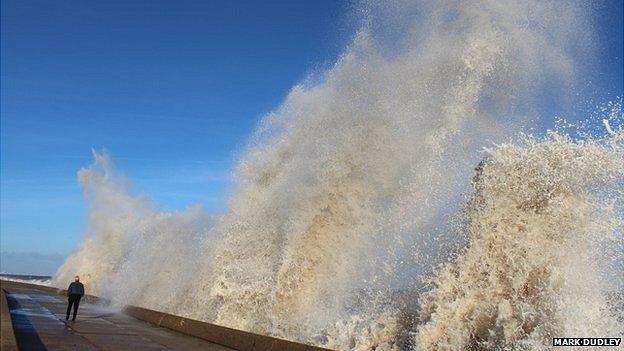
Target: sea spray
x,y
132,253
343,195
536,267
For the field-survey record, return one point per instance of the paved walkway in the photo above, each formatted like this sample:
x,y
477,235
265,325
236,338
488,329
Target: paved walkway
x,y
39,323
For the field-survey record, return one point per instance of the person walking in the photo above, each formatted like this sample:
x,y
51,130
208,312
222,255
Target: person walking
x,y
74,293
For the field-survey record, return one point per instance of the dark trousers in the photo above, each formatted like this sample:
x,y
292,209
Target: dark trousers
x,y
74,299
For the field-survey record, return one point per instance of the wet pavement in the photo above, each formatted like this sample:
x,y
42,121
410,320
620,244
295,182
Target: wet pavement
x,y
39,324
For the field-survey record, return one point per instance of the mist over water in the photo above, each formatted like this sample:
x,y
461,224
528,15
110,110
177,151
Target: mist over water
x,y
354,191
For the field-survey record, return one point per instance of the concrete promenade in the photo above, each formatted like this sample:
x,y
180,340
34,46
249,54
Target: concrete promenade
x,y
36,315
39,324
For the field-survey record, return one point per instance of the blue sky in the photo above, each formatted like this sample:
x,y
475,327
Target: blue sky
x,y
172,89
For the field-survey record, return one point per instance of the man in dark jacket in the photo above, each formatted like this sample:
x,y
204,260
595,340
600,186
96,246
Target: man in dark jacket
x,y
74,293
